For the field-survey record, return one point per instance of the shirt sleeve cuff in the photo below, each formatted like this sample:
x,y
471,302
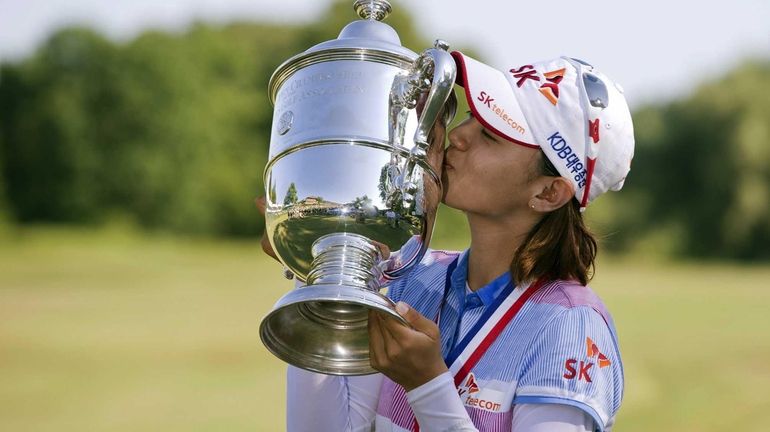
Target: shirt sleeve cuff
x,y
437,407
598,422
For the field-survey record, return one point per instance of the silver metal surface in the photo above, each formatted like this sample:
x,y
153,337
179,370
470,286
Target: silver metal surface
x,y
322,328
353,184
285,122
372,9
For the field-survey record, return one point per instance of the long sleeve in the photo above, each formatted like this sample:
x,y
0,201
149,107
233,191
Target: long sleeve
x,y
438,408
551,418
317,402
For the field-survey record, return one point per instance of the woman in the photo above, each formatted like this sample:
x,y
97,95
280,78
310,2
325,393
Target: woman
x,y
506,335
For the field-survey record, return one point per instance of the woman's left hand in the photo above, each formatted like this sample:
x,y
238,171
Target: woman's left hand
x,y
408,356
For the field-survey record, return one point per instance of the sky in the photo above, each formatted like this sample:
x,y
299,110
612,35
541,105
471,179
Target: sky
x,y
658,50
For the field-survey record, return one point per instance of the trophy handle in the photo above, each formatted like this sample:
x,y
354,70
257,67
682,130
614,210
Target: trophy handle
x,y
434,70
438,62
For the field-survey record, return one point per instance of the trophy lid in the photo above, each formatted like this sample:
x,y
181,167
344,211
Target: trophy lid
x,y
369,32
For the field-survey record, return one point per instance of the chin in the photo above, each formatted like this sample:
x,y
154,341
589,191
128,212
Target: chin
x,y
447,200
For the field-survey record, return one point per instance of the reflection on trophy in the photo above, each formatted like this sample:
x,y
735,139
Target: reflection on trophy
x,y
353,184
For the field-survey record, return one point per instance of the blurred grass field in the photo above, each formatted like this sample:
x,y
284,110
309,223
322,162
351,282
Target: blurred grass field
x,y
110,331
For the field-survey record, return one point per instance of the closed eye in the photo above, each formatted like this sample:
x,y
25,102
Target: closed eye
x,y
488,135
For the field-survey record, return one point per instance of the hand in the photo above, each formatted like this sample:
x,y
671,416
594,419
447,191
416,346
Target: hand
x,y
408,356
266,246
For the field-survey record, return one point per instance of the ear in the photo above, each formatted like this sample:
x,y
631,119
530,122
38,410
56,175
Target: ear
x,y
554,192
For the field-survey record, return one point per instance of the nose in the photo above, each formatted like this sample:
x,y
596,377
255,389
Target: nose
x,y
459,137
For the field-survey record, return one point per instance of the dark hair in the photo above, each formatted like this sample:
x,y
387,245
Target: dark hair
x,y
560,246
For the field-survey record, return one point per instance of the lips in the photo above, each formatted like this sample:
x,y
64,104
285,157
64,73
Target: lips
x,y
446,163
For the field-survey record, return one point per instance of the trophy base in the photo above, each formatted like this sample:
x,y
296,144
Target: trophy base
x,y
323,328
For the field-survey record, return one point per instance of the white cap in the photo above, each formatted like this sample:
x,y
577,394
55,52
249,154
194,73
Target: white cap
x,y
567,108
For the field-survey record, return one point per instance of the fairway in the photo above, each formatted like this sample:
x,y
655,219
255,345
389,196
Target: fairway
x,y
118,332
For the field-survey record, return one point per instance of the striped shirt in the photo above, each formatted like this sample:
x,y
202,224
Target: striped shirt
x,y
561,348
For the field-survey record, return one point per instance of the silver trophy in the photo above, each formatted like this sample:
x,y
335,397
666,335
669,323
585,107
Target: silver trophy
x,y
353,183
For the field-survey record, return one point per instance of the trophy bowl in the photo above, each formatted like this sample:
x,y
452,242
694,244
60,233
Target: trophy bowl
x,y
353,182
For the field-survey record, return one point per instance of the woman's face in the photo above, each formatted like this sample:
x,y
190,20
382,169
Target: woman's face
x,y
486,174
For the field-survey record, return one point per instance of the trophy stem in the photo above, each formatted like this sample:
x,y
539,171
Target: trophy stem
x,y
322,326
345,259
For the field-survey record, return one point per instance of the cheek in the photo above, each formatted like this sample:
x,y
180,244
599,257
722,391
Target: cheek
x,y
489,186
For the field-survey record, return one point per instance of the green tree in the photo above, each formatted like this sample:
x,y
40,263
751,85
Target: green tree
x,y
168,130
700,179
50,160
291,195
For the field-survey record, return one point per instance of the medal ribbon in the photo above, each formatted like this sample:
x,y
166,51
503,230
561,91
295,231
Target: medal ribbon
x,y
487,329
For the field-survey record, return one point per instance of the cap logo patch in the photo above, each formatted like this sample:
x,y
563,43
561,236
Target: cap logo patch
x,y
523,74
551,88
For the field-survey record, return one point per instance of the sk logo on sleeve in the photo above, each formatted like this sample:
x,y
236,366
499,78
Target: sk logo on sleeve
x,y
581,369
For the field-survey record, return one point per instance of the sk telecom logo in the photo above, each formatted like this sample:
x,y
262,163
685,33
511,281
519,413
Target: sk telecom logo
x,y
583,367
593,351
523,74
551,88
468,386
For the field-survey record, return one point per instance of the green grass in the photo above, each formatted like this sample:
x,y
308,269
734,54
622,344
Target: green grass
x,y
118,332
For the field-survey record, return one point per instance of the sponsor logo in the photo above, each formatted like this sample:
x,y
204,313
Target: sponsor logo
x,y
593,351
469,386
593,130
524,73
581,369
482,403
488,101
473,396
571,160
550,89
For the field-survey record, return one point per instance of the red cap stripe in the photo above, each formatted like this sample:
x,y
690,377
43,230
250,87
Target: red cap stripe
x,y
589,177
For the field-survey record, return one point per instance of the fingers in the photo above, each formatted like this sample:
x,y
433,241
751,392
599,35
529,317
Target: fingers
x,y
261,204
386,323
407,356
267,247
384,347
418,322
382,324
377,352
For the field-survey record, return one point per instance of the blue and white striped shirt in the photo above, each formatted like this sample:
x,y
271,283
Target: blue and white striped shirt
x,y
561,348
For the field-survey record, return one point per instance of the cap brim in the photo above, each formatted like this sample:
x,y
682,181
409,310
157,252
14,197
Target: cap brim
x,y
492,101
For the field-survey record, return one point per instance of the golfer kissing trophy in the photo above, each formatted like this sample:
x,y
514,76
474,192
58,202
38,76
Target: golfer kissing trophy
x,y
352,184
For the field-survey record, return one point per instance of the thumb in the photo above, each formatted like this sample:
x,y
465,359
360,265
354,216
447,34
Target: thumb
x,y
417,320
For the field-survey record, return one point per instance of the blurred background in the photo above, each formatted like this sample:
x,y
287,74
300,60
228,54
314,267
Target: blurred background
x,y
134,134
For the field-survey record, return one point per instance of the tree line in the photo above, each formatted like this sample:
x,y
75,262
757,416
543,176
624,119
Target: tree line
x,y
171,131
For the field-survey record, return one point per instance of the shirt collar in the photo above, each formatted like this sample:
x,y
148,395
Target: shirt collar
x,y
488,293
